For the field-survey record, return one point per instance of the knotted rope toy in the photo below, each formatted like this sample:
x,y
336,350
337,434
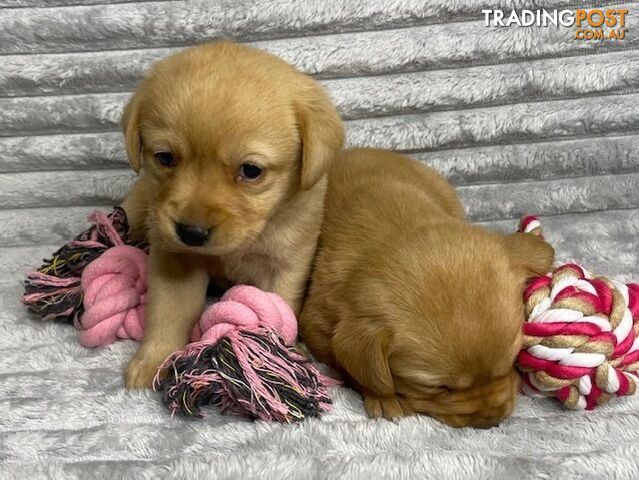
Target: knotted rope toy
x,y
581,335
243,363
242,359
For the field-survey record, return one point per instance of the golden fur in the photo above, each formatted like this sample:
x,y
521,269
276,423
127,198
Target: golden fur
x,y
215,107
422,311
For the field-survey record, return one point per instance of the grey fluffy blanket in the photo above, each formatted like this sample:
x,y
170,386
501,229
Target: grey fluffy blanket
x,y
520,119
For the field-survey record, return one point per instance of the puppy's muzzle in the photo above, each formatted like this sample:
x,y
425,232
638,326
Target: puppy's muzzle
x,y
192,235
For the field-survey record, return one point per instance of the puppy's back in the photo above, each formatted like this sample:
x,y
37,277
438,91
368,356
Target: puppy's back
x,y
418,193
374,200
374,196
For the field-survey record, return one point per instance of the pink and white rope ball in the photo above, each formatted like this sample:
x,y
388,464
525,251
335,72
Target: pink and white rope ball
x,y
581,335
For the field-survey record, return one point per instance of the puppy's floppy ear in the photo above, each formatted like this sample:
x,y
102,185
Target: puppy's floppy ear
x,y
321,132
363,353
131,128
529,253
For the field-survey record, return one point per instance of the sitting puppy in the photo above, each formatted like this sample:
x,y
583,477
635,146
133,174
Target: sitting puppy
x,y
421,311
233,145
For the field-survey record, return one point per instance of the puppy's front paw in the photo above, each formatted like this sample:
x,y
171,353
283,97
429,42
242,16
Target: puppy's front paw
x,y
144,366
387,407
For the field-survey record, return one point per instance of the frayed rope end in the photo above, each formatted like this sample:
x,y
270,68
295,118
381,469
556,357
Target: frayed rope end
x,y
251,374
53,291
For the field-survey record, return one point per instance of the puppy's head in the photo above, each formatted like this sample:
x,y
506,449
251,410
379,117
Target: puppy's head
x,y
225,134
450,330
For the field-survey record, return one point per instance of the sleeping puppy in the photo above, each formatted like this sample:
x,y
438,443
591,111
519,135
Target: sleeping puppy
x,y
421,311
232,145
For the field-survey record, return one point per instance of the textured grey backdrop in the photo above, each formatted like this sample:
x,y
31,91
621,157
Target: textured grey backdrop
x,y
520,119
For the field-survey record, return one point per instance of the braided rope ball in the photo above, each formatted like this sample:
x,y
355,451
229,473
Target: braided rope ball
x,y
581,335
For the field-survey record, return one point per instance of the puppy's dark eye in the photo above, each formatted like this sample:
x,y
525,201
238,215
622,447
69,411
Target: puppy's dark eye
x,y
165,159
248,171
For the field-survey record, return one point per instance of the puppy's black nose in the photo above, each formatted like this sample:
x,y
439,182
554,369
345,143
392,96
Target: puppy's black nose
x,y
192,235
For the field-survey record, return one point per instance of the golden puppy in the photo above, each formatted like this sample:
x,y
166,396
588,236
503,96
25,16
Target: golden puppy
x,y
422,311
233,145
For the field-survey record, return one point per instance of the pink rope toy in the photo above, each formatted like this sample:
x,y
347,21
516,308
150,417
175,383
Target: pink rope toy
x,y
581,335
242,359
242,363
